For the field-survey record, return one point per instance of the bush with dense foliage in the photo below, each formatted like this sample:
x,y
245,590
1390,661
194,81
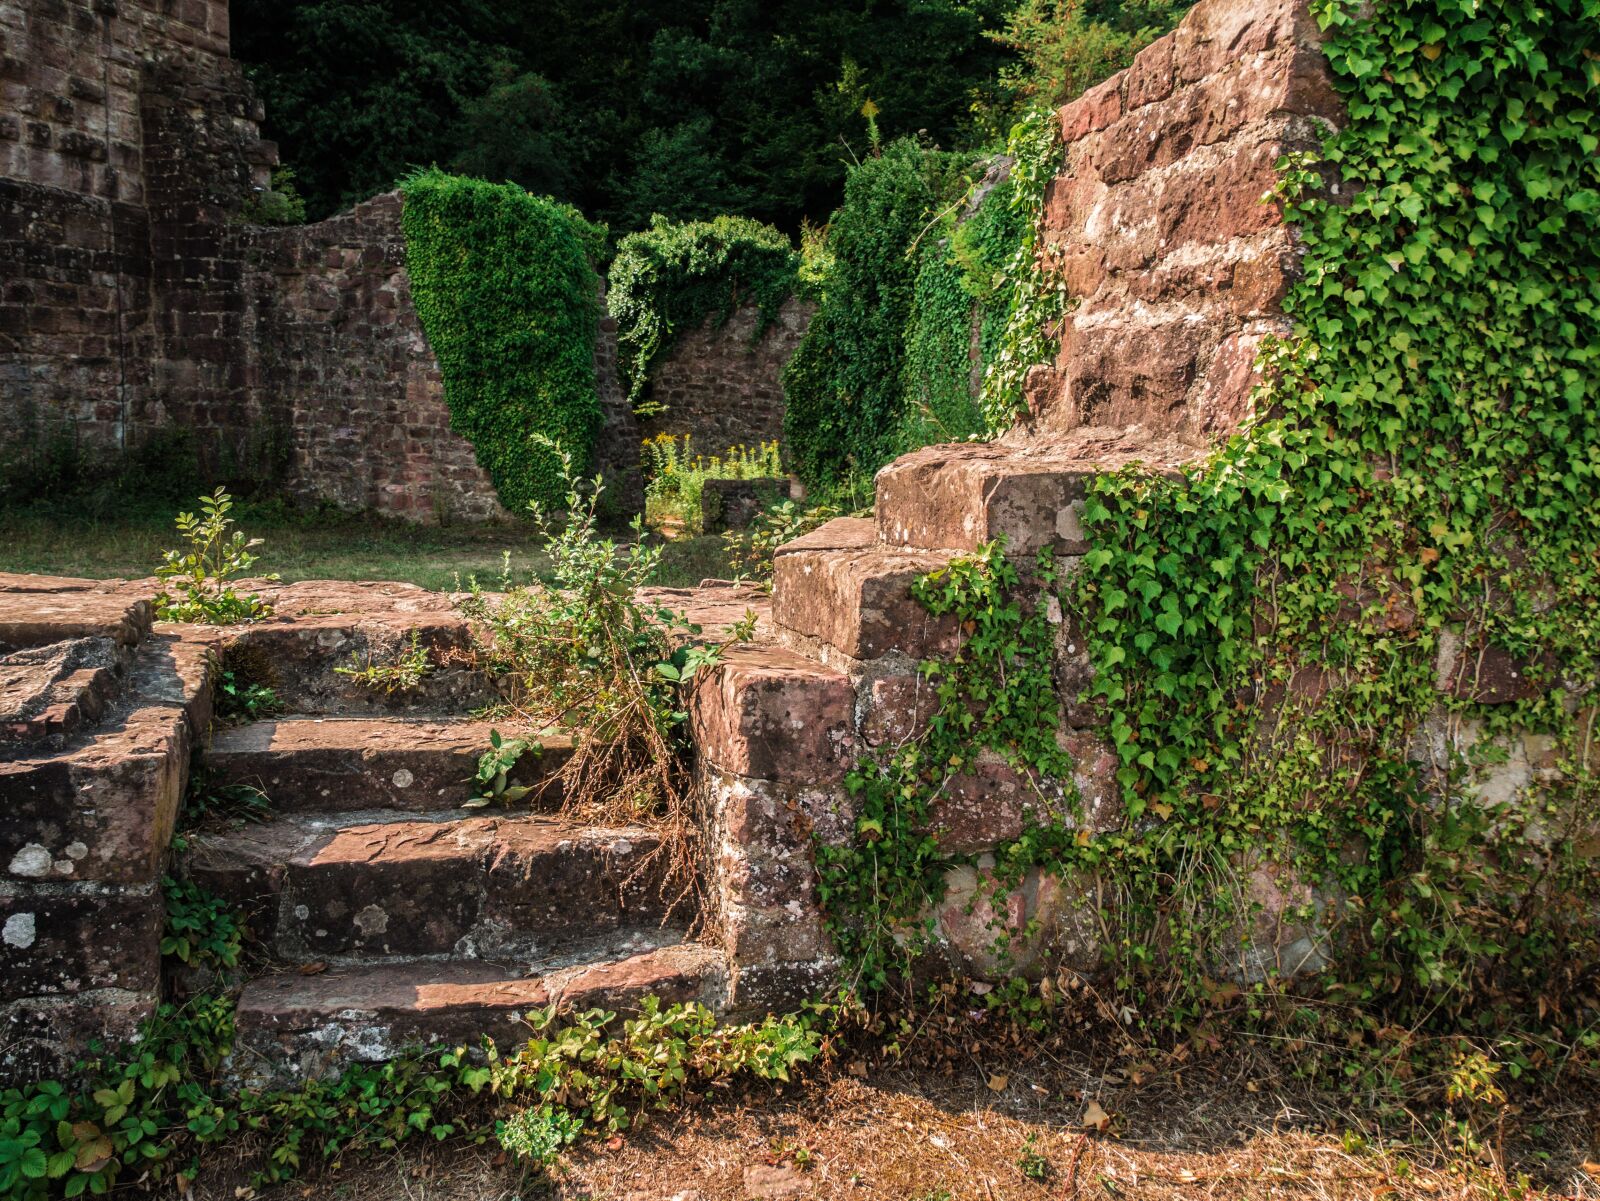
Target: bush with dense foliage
x,y
506,289
670,278
843,387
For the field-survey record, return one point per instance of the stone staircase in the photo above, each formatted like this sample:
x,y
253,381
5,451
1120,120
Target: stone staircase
x,y
387,914
778,725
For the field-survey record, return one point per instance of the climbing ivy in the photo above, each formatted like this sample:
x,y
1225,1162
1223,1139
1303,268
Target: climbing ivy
x,y
843,386
1265,631
506,291
995,705
1267,628
672,277
1036,299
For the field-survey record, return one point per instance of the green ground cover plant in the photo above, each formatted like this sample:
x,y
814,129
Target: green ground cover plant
x,y
505,286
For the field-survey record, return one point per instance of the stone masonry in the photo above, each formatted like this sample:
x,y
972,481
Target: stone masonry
x,y
136,296
1158,226
721,383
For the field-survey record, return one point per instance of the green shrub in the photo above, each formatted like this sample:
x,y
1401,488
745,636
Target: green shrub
x,y
963,277
843,387
506,290
670,278
199,576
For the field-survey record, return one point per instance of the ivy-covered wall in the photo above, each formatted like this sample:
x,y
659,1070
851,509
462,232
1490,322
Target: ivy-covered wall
x,y
506,289
931,310
1308,694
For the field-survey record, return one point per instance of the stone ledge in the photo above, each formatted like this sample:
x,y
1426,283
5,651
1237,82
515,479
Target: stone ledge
x,y
959,496
768,713
859,602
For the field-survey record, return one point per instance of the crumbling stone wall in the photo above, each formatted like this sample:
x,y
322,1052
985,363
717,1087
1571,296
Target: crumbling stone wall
x,y
721,383
1158,227
135,295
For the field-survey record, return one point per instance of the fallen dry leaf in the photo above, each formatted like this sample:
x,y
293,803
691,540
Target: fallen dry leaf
x,y
1096,1117
997,1084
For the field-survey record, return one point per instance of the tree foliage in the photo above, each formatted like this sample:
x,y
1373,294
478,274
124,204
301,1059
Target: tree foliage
x,y
625,110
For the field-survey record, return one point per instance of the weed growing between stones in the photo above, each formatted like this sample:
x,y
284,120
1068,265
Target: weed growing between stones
x,y
580,652
403,673
199,576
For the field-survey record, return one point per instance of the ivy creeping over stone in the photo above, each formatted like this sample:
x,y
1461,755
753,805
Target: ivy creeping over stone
x,y
1406,535
1316,651
505,286
670,278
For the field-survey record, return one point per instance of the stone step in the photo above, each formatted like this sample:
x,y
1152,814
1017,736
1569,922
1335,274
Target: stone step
x,y
301,659
293,1026
329,887
345,764
38,610
843,605
961,495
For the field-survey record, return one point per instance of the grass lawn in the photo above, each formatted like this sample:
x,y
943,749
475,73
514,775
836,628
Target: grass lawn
x,y
60,542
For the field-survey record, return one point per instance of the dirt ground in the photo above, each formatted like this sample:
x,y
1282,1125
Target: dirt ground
x,y
989,1133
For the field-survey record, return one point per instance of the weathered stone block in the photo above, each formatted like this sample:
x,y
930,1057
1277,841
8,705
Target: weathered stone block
x,y
770,714
104,811
858,603
56,941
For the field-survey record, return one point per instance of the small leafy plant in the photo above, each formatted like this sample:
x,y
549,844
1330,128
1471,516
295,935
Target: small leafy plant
x,y
409,669
538,1135
201,930
750,551
239,699
494,769
195,580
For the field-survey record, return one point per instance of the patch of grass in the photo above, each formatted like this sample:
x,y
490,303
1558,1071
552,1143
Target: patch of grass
x,y
53,541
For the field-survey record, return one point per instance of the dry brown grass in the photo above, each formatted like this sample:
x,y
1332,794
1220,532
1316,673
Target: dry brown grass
x,y
1228,1129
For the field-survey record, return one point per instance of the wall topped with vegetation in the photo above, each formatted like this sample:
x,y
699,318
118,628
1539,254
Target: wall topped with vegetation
x,y
505,285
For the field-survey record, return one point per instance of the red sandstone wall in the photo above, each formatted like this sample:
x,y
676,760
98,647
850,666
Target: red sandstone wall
x,y
1157,226
127,136
134,298
721,383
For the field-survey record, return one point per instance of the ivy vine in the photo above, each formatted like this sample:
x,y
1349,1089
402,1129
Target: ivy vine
x,y
672,277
